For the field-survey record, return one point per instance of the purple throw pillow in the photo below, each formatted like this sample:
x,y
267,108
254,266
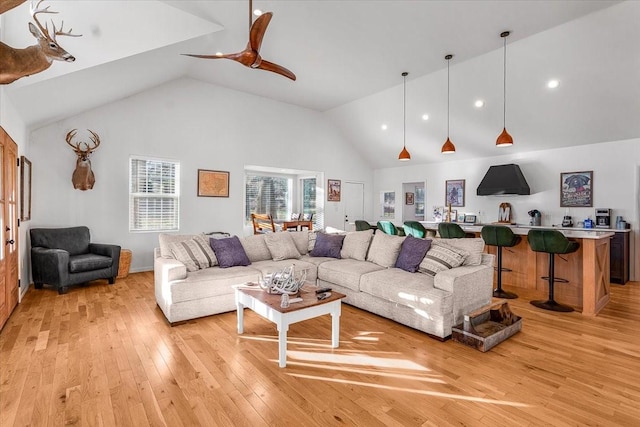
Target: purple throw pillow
x,y
328,245
411,253
229,252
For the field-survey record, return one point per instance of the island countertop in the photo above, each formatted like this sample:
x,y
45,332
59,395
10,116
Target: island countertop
x,y
522,230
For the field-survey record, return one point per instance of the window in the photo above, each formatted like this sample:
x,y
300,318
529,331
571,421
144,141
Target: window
x,y
154,194
420,200
308,195
268,194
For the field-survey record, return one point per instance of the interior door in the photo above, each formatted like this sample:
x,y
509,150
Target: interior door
x,y
9,225
353,196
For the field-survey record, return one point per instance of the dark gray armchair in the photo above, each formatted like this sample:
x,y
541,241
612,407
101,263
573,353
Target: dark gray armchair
x,y
62,257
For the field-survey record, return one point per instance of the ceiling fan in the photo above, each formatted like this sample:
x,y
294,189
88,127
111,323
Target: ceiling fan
x,y
250,56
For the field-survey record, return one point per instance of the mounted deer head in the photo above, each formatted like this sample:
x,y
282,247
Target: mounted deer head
x,y
17,63
83,178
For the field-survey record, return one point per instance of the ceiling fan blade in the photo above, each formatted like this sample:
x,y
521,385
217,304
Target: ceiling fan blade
x,y
259,27
275,68
247,57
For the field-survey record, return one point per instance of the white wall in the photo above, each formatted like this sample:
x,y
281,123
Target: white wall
x,y
204,127
614,166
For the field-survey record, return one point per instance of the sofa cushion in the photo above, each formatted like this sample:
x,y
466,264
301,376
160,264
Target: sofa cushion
x,y
473,247
328,245
441,257
266,267
412,253
281,246
408,289
356,244
229,252
193,253
255,247
211,282
301,240
384,249
88,262
345,272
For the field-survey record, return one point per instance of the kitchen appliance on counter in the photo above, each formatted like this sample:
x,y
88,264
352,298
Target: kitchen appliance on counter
x,y
536,217
567,221
603,218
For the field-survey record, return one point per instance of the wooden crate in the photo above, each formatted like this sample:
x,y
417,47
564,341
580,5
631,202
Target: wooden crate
x,y
487,327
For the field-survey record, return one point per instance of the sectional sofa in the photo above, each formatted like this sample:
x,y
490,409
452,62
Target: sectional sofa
x,y
194,276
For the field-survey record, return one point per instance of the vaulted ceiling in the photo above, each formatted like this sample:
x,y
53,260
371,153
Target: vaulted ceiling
x,y
348,57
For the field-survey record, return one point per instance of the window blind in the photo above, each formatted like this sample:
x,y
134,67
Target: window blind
x,y
154,199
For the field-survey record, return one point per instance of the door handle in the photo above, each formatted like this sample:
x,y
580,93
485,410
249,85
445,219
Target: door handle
x,y
10,242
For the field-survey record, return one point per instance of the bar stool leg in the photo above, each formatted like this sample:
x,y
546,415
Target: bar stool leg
x,y
499,292
551,303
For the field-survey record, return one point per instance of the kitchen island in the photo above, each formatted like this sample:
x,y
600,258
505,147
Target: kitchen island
x,y
587,269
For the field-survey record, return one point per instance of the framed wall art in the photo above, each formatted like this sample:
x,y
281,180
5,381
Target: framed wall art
x,y
408,198
25,189
334,190
454,191
576,189
213,183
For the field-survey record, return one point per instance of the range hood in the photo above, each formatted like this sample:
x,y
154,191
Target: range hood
x,y
503,179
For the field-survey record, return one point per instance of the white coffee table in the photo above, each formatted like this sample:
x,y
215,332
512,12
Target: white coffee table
x,y
268,306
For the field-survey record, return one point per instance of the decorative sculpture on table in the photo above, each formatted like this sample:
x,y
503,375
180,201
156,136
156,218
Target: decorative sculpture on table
x,y
284,282
18,63
83,177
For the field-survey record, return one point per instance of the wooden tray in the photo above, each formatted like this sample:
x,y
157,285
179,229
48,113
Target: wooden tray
x,y
487,327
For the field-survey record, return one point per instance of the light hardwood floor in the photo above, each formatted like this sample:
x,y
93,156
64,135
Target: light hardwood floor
x,y
104,355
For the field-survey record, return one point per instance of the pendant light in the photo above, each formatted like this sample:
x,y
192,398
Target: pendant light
x,y
504,139
404,154
448,147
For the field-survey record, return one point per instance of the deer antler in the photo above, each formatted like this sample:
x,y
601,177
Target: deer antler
x,y
76,147
35,10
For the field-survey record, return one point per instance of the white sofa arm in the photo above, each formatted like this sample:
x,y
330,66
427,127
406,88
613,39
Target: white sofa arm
x,y
168,270
471,287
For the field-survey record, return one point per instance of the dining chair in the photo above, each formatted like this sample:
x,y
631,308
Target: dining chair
x,y
415,229
262,223
387,227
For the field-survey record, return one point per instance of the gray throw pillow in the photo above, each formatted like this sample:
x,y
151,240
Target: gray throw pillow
x,y
194,254
412,253
281,246
229,252
473,247
356,244
441,257
384,249
327,245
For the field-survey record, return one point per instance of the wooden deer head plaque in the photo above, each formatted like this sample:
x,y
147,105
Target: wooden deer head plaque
x,y
83,178
17,63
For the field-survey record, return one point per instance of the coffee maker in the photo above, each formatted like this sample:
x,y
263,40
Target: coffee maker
x,y
603,218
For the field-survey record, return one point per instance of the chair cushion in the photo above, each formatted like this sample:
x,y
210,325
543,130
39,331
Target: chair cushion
x,y
328,245
74,240
229,252
412,253
88,262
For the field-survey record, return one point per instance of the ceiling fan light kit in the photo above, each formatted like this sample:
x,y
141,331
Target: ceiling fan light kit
x,y
504,139
404,154
250,56
448,147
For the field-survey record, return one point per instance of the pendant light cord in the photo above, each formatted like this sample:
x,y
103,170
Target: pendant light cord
x,y
448,61
404,110
504,84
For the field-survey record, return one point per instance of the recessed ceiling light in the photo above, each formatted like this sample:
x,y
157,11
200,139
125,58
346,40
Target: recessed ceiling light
x,y
383,127
479,103
257,12
552,84
425,117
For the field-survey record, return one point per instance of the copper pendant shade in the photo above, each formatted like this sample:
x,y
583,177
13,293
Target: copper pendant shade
x,y
404,154
504,139
448,147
